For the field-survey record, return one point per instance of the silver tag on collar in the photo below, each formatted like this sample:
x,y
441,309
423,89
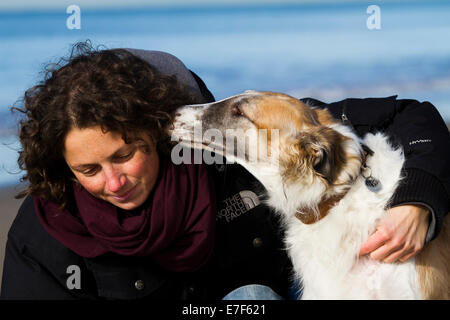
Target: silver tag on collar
x,y
373,184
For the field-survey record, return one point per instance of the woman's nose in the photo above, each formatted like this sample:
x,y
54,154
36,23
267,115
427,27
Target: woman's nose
x,y
115,180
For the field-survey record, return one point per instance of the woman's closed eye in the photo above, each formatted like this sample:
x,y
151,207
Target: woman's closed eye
x,y
124,156
91,171
121,156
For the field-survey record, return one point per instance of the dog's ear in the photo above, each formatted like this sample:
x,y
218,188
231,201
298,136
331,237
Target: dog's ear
x,y
324,152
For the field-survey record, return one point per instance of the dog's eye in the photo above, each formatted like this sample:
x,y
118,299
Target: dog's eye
x,y
236,111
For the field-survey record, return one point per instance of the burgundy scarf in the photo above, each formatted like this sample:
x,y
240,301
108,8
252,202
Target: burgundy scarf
x,y
175,226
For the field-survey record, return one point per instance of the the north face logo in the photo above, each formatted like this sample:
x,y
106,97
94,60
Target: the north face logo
x,y
237,204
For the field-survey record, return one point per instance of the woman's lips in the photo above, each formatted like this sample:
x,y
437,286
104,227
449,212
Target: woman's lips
x,y
126,196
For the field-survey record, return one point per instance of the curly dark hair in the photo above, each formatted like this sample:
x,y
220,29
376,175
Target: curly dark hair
x,y
113,89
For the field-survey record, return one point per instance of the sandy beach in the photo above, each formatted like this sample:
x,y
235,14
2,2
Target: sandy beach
x,y
8,210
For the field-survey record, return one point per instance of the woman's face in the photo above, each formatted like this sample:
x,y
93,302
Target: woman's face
x,y
122,174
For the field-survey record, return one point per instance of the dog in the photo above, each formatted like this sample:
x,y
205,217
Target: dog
x,y
330,187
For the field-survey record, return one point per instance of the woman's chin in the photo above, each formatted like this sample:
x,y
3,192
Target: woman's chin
x,y
126,206
130,204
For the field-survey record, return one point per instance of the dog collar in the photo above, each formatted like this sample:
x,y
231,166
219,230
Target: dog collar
x,y
310,216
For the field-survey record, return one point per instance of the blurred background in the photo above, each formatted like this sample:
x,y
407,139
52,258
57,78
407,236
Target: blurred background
x,y
328,50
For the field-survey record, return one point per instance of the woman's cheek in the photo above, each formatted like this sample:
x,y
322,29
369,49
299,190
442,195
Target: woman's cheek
x,y
139,166
136,167
93,185
145,169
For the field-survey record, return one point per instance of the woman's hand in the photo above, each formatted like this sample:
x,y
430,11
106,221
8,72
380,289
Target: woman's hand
x,y
399,236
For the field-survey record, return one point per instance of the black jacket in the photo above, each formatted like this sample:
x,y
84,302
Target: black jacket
x,y
249,246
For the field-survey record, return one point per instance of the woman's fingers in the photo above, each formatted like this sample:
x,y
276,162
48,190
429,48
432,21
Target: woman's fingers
x,y
399,236
375,241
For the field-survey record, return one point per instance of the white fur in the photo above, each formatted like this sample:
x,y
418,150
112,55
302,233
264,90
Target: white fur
x,y
325,254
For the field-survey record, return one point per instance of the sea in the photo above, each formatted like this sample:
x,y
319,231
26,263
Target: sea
x,y
328,51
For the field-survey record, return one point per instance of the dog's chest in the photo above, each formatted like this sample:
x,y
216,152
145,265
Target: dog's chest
x,y
325,254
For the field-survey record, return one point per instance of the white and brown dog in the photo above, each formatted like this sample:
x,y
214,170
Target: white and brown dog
x,y
317,182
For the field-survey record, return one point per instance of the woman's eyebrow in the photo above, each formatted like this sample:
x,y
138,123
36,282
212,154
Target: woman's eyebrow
x,y
79,167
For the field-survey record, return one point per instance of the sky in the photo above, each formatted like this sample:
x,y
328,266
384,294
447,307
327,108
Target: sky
x,y
32,4
25,5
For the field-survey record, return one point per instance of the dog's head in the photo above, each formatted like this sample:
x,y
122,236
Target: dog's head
x,y
279,139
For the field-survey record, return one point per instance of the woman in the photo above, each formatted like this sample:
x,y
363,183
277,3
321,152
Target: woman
x,y
111,217
103,185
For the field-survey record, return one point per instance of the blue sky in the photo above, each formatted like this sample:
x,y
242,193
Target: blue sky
x,y
32,4
56,4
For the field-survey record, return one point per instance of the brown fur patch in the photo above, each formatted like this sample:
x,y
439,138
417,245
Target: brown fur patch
x,y
322,149
315,147
280,112
433,266
324,117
